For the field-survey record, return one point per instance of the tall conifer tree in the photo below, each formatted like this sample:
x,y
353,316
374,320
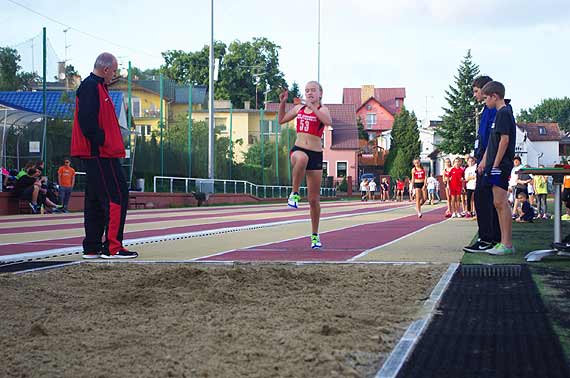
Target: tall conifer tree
x,y
458,126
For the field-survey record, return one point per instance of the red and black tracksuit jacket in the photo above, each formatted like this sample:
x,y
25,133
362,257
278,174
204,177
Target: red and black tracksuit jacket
x,y
96,139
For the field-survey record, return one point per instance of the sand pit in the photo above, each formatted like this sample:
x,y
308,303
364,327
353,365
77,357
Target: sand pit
x,y
126,320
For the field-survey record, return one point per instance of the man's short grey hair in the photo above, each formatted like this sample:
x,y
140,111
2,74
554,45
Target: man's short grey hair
x,y
104,60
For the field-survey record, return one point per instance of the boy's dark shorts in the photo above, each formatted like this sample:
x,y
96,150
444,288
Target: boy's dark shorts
x,y
503,180
315,162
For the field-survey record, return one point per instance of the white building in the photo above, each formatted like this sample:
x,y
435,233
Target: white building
x,y
538,143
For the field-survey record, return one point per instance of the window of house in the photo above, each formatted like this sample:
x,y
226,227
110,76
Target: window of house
x,y
397,102
325,168
142,130
269,128
219,123
368,107
542,130
251,139
370,120
136,106
341,168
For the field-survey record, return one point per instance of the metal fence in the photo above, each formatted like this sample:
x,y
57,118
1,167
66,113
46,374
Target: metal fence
x,y
166,184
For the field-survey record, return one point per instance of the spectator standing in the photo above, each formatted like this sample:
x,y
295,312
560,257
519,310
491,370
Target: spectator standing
x,y
372,190
431,181
446,169
471,184
513,180
66,181
455,187
400,190
96,138
541,189
498,162
364,190
385,189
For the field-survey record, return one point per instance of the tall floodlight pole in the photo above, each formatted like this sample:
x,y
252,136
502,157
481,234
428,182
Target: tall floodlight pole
x,y
161,91
190,89
211,97
129,121
44,99
319,44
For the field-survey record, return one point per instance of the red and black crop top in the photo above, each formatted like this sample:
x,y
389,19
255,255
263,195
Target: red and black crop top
x,y
309,123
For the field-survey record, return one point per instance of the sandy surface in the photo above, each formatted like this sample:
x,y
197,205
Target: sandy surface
x,y
118,320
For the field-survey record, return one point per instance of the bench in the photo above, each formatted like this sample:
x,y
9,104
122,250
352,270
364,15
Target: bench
x,y
134,204
24,207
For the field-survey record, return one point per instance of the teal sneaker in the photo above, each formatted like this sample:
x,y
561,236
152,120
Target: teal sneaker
x,y
293,200
316,241
501,250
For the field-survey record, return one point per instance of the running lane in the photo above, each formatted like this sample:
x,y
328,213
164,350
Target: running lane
x,y
339,245
56,243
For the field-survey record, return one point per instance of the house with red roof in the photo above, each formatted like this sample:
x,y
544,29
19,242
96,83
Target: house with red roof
x,y
375,109
340,142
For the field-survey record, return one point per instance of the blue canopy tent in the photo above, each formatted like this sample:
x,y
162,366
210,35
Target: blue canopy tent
x,y
18,109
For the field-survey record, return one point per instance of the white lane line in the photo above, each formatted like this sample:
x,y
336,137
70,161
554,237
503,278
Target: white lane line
x,y
302,237
154,239
395,240
411,337
291,212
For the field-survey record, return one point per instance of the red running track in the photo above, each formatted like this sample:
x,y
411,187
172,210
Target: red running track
x,y
55,243
342,244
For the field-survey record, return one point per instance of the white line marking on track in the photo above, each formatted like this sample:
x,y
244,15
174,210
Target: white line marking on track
x,y
153,239
301,237
364,253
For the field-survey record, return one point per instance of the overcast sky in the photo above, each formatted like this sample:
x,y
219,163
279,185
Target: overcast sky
x,y
400,43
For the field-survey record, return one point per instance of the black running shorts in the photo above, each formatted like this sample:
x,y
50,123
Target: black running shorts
x,y
315,162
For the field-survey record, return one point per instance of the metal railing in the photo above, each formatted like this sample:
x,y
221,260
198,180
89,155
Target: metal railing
x,y
170,184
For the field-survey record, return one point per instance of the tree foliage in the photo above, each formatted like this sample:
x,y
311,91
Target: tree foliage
x,y
246,68
362,134
458,126
11,78
549,110
294,92
405,144
148,74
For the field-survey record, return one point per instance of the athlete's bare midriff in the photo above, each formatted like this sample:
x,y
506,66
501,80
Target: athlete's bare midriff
x,y
309,142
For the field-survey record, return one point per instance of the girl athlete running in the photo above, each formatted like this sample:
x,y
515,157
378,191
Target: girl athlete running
x,y
419,180
307,153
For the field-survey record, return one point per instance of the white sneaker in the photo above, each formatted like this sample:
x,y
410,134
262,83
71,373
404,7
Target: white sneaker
x,y
293,200
316,242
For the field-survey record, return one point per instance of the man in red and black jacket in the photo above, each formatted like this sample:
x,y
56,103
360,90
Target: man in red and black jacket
x,y
96,139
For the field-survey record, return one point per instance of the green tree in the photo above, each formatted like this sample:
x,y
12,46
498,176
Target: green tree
x,y
294,92
148,74
458,126
405,144
191,67
9,67
362,134
25,81
246,68
549,110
